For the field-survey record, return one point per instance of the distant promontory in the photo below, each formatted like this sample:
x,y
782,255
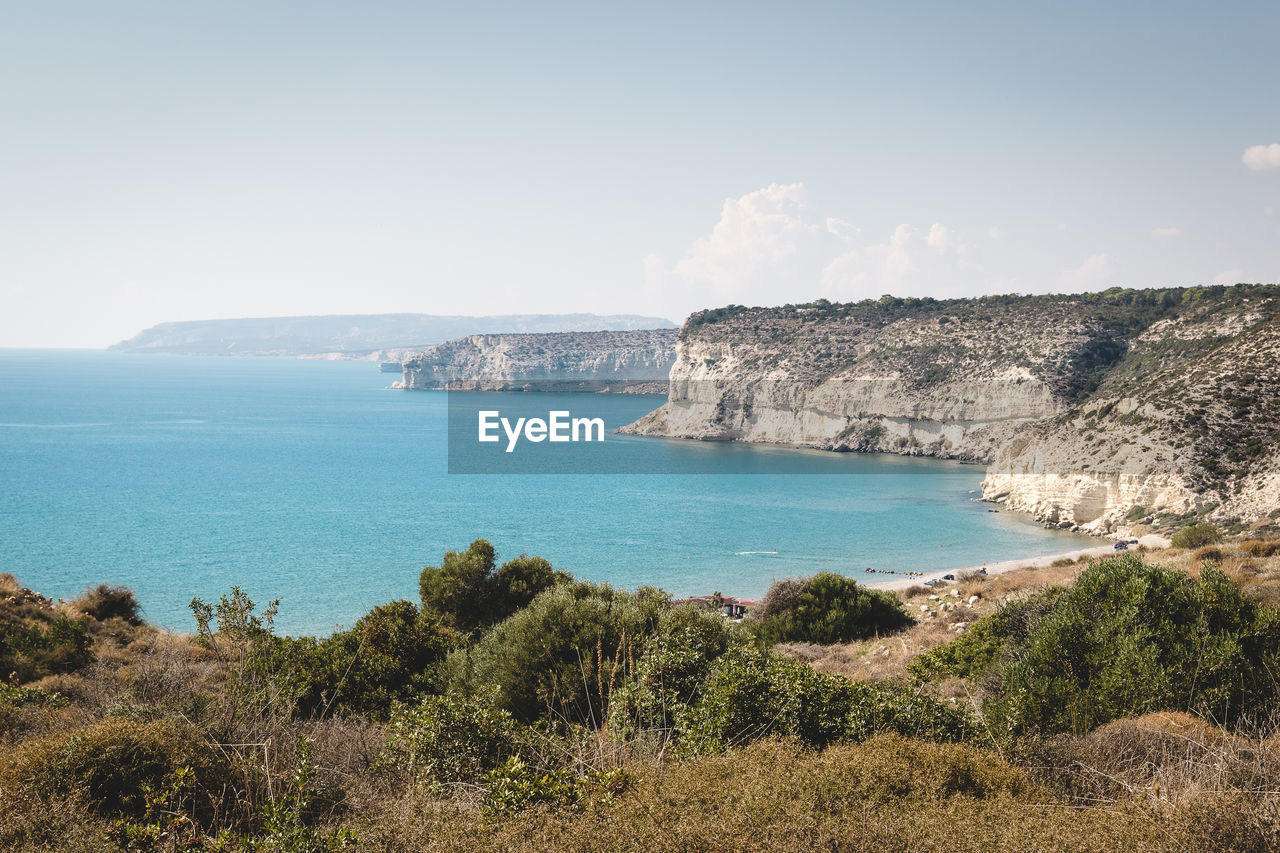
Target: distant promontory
x,y
635,361
371,337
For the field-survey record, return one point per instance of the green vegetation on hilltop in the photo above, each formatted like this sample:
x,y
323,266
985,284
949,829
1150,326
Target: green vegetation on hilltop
x,y
1071,341
1128,308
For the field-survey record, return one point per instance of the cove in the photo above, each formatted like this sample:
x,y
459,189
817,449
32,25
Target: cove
x,y
312,482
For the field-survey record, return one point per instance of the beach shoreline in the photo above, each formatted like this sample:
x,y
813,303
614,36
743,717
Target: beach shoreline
x,y
1151,541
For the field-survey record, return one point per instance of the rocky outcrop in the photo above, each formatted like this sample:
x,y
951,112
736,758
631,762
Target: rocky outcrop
x,y
1097,412
950,379
1186,425
634,361
964,420
1067,485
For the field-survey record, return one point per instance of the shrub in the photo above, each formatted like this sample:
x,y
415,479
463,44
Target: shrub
x,y
1196,536
30,650
828,608
14,719
451,738
288,825
890,707
753,694
515,785
19,696
780,599
1209,553
1128,638
113,762
455,590
1136,513
564,653
393,653
676,659
986,643
1260,548
517,583
105,602
464,591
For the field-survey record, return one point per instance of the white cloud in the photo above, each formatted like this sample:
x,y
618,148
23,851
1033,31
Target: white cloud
x,y
1234,276
1268,211
860,271
995,232
769,247
1166,232
766,248
759,230
941,238
840,228
1095,272
1062,226
1262,157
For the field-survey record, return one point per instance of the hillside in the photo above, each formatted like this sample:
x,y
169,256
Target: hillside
x,y
621,360
1094,411
1111,704
366,336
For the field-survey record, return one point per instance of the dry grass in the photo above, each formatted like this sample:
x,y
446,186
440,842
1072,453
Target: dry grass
x,y
346,752
888,794
1183,767
1260,547
1254,565
1211,553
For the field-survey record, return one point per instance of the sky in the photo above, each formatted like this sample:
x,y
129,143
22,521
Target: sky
x,y
179,161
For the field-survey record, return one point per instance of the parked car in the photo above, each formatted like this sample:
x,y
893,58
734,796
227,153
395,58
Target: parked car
x,y
948,577
1122,546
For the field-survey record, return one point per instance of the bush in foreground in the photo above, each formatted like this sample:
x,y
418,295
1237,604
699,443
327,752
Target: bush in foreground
x,y
443,739
1196,536
112,762
827,608
753,694
392,654
32,650
564,655
104,602
1128,638
465,592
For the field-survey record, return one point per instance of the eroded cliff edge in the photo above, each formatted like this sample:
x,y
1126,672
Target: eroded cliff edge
x,y
1098,412
633,361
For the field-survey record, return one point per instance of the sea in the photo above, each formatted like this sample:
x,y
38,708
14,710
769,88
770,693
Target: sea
x,y
315,483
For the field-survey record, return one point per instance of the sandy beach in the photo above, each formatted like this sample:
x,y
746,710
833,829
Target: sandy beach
x,y
902,581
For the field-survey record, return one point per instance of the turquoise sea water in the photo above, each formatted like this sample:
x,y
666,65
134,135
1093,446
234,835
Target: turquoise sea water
x,y
314,483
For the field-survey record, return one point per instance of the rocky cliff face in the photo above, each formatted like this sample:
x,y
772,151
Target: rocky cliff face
x,y
1186,424
1094,412
618,361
